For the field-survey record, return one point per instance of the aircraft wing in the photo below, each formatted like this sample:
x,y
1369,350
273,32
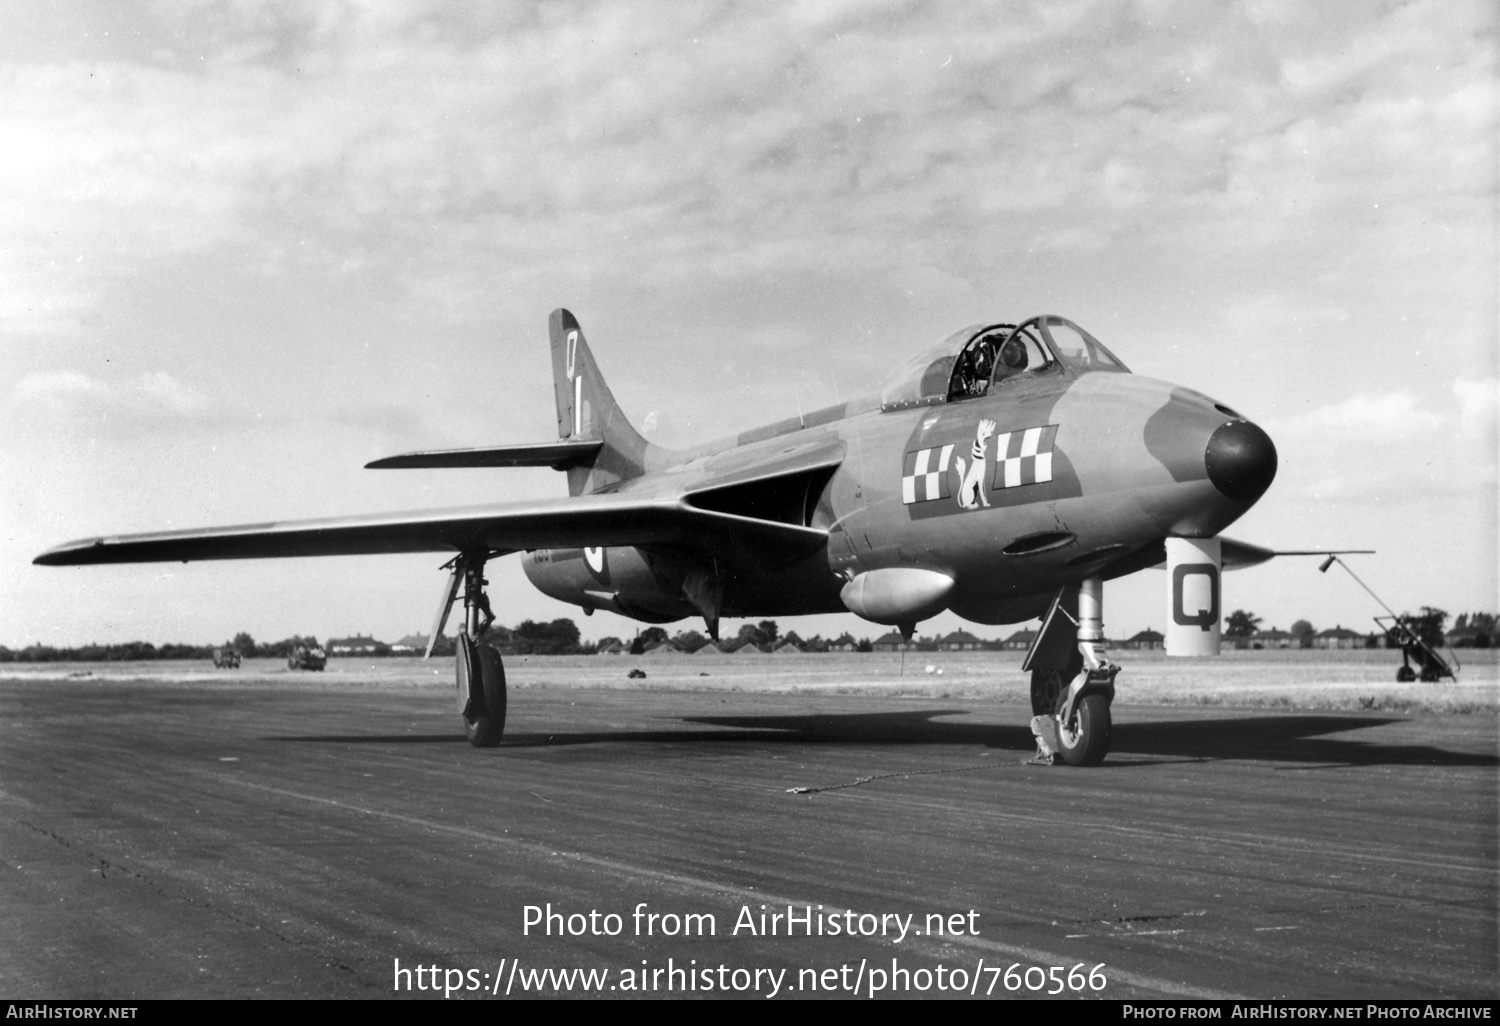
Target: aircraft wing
x,y
557,455
564,522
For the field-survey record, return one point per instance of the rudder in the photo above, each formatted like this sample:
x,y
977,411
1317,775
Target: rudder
x,y
586,410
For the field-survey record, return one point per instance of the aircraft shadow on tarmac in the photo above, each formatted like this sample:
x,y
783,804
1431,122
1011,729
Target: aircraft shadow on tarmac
x,y
1281,738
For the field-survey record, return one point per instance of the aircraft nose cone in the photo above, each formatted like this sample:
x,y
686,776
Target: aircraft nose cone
x,y
1241,460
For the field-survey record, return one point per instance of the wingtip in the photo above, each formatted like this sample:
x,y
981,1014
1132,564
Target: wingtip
x,y
65,555
77,553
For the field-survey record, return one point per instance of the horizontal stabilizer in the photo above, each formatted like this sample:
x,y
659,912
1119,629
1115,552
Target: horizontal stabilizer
x,y
564,522
557,455
1238,555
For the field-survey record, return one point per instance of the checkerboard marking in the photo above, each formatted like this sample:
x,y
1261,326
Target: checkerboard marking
x,y
925,475
1024,457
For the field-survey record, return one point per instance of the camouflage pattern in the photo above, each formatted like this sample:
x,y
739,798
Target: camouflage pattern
x,y
1071,468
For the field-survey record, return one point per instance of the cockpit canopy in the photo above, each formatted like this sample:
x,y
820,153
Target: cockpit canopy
x,y
972,361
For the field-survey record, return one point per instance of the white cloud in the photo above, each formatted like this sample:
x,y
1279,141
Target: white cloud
x,y
1370,418
1392,449
1262,320
725,139
1478,408
153,399
57,387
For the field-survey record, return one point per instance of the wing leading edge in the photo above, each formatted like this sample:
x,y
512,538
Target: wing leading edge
x,y
565,522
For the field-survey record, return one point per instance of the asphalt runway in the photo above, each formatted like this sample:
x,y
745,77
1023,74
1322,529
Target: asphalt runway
x,y
297,837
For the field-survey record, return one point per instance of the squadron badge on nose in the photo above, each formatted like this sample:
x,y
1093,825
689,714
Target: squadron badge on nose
x,y
1021,457
971,490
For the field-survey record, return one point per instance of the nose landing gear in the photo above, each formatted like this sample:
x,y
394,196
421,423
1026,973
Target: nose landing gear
x,y
1072,680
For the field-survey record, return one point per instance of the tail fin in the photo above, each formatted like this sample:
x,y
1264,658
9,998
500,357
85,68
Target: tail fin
x,y
586,411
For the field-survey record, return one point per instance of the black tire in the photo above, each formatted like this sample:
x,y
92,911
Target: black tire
x,y
1047,686
1405,675
486,724
1429,675
1085,741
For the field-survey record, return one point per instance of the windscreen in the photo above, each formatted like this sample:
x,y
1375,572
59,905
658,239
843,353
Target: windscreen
x,y
1077,348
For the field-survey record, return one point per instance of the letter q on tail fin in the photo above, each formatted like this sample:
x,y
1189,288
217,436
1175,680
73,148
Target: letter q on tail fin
x,y
587,412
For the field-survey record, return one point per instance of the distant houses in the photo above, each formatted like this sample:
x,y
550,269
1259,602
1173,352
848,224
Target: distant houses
x,y
1273,638
960,641
1338,637
1020,641
359,644
1146,639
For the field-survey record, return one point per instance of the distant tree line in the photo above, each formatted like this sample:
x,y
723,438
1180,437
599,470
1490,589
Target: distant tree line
x,y
1470,630
127,651
1476,630
561,637
130,651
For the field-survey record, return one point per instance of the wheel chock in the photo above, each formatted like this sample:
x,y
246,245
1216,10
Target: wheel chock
x,y
1044,729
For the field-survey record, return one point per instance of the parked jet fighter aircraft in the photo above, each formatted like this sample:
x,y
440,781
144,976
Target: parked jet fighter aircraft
x,y
1003,474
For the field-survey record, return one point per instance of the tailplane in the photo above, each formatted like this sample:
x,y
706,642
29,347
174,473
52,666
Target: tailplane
x,y
596,444
588,413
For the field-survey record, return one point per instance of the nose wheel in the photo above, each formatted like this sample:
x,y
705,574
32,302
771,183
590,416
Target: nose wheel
x,y
1083,736
1072,682
1072,724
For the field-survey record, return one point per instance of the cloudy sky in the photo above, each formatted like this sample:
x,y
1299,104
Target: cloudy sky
x,y
246,247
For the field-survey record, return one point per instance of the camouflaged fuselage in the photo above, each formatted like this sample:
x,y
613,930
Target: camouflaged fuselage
x,y
1036,484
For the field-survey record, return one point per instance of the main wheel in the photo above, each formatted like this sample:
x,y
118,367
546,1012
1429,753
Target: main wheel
x,y
484,723
1047,686
1405,675
1084,741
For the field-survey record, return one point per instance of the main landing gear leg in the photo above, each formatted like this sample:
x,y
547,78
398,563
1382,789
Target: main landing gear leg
x,y
479,674
1079,725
